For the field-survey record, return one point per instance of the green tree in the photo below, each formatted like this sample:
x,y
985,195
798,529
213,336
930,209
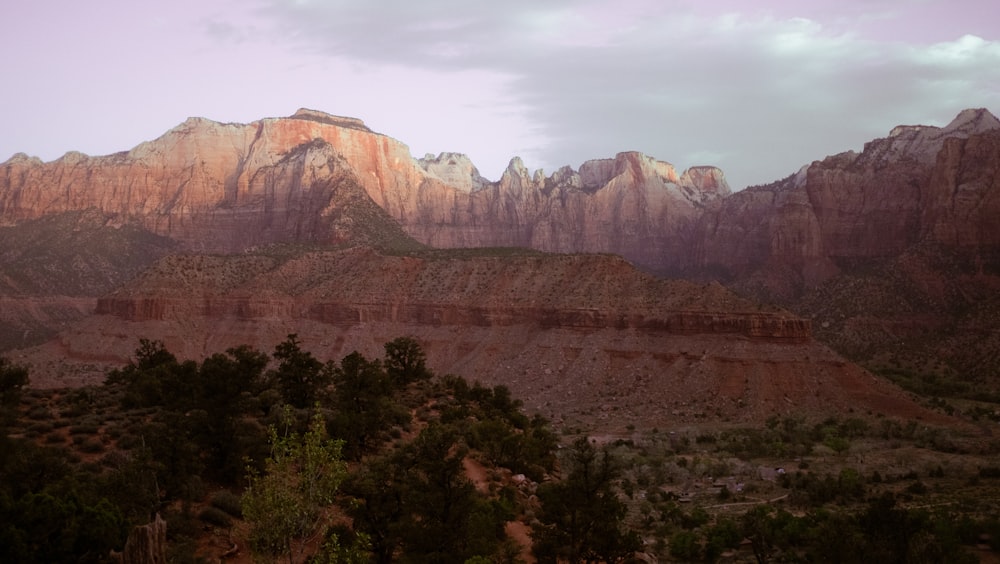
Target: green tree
x,y
378,489
418,502
758,527
441,504
685,546
13,379
155,378
299,376
835,536
725,534
363,398
581,519
405,361
226,387
285,504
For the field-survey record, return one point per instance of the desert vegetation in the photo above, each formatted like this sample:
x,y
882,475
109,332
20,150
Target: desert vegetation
x,y
287,457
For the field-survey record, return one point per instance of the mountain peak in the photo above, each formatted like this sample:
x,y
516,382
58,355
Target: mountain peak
x,y
971,121
454,169
922,142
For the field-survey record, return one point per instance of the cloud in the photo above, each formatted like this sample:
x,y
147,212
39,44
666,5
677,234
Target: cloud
x,y
763,92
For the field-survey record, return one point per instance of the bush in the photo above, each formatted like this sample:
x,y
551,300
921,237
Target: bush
x,y
92,445
84,429
685,546
228,502
215,516
989,472
40,427
39,412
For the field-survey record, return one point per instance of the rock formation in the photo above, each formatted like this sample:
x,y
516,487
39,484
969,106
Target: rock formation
x,y
146,544
920,185
227,187
577,336
894,252
268,191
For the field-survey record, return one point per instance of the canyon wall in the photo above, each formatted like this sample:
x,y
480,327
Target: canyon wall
x,y
354,287
226,187
921,185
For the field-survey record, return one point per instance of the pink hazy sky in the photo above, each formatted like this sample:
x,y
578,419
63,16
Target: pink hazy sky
x,y
756,88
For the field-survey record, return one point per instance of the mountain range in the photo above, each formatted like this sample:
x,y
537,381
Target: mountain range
x,y
218,234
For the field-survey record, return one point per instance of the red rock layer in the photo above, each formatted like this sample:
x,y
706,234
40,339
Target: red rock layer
x,y
921,185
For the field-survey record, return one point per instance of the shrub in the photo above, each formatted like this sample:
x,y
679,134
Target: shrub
x,y
228,502
84,429
39,412
685,546
989,472
215,516
40,427
91,445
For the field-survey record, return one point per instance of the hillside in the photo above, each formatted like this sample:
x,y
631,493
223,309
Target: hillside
x,y
584,338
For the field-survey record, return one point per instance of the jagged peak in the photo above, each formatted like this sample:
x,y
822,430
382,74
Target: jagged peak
x,y
22,158
454,169
967,122
922,142
972,121
516,166
73,157
446,157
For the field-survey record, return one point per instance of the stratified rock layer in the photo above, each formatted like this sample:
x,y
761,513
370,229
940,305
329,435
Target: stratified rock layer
x,y
226,187
920,185
580,337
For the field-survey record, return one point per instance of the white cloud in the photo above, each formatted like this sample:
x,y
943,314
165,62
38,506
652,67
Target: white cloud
x,y
761,93
757,91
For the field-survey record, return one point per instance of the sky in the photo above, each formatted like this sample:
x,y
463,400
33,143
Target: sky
x,y
757,88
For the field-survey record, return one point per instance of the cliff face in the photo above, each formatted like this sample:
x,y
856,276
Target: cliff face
x,y
583,292
577,336
920,185
632,205
218,187
226,187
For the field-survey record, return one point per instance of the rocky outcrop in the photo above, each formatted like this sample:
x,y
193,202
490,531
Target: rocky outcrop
x,y
632,205
146,544
755,326
227,187
455,170
919,185
212,186
580,337
486,291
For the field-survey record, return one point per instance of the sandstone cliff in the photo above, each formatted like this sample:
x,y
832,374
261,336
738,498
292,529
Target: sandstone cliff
x,y
920,185
894,252
216,187
227,187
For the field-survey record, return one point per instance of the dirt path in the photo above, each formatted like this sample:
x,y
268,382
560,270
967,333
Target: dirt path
x,y
476,473
516,530
521,534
